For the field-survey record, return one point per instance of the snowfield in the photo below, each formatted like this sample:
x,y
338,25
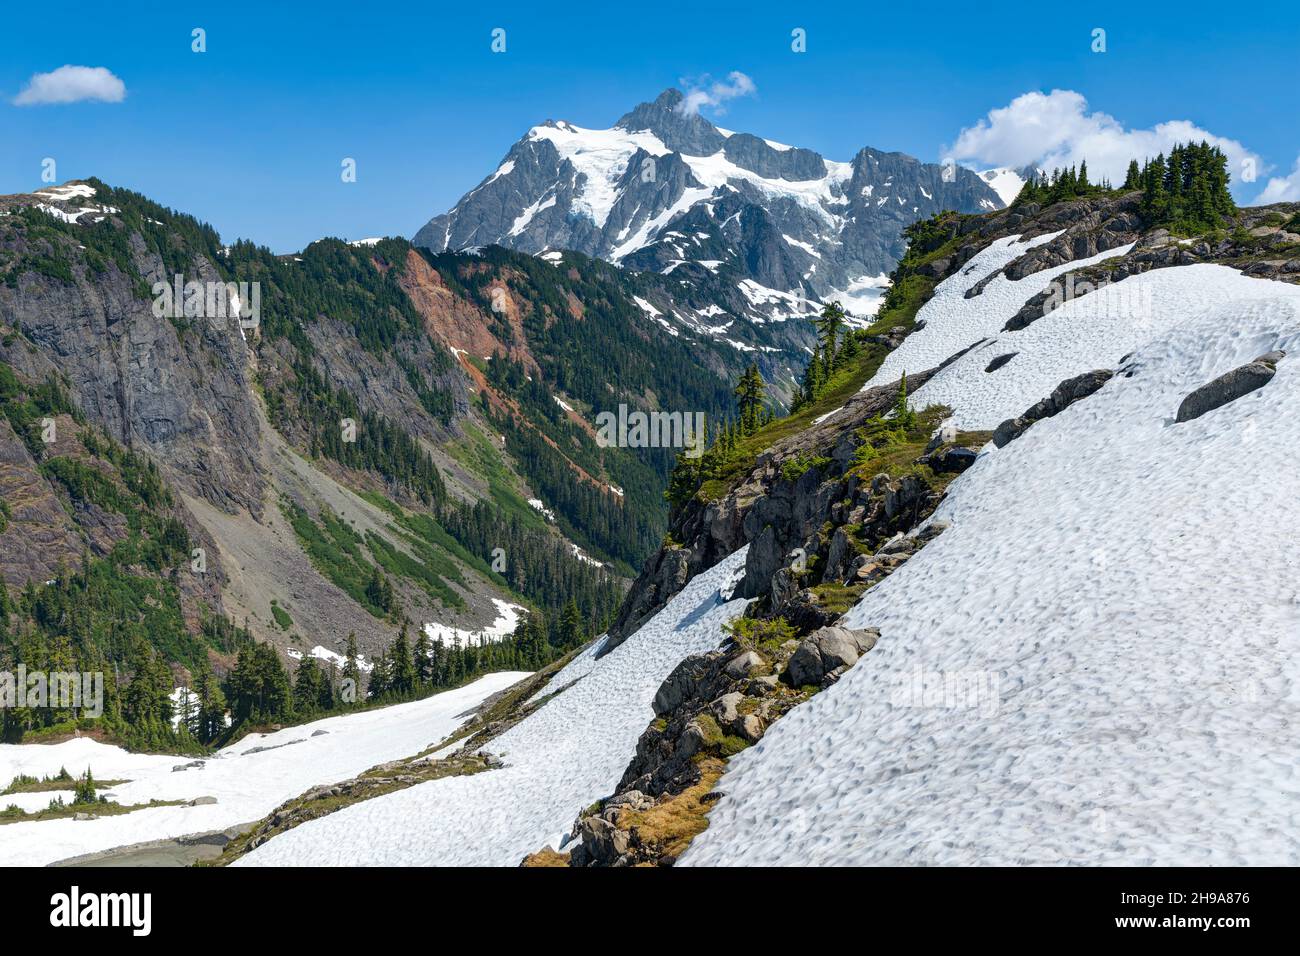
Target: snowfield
x,y
558,761
1007,183
1099,661
507,619
952,322
247,785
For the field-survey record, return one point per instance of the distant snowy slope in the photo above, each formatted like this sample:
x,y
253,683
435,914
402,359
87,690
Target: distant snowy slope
x,y
1097,662
569,753
246,785
1007,183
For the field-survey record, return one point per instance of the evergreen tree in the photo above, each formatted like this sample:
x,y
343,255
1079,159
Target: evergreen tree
x,y
401,679
1133,179
421,652
379,682
829,324
572,631
749,399
307,686
351,669
903,415
258,689
210,716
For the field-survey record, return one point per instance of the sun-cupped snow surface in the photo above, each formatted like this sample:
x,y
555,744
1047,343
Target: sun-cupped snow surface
x,y
561,758
1098,662
1093,331
952,322
246,785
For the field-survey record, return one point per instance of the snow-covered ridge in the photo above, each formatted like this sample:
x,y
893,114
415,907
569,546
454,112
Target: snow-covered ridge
x,y
1074,672
952,322
69,194
599,155
558,760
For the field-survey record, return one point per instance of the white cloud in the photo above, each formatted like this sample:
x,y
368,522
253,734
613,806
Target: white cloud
x,y
703,93
1056,130
1282,188
72,84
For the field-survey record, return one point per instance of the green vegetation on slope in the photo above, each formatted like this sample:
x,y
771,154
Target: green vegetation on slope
x,y
828,384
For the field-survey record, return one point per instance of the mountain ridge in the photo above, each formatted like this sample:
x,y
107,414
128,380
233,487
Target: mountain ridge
x,y
647,192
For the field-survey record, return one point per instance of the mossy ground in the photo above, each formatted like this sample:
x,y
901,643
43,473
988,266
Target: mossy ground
x,y
671,824
12,814
25,784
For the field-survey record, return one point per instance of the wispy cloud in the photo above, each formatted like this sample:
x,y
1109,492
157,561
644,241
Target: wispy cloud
x,y
702,92
72,84
1056,130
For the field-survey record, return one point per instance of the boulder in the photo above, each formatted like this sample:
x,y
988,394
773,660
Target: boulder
x,y
1063,396
760,686
725,707
602,842
1000,361
631,800
806,611
742,665
826,649
1228,387
678,686
897,544
750,727
202,802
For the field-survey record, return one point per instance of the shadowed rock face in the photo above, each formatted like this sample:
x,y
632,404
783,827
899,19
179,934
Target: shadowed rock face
x,y
1230,386
185,396
38,534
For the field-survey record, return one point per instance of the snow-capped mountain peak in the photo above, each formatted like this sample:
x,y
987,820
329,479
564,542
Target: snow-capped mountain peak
x,y
664,187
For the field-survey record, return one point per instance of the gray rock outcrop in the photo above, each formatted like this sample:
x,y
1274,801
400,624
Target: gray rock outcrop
x,y
1062,397
1229,387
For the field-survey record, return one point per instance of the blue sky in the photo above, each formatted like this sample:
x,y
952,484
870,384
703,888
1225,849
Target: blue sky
x,y
250,134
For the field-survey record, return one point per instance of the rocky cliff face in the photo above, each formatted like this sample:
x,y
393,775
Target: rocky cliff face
x,y
217,407
782,508
181,390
